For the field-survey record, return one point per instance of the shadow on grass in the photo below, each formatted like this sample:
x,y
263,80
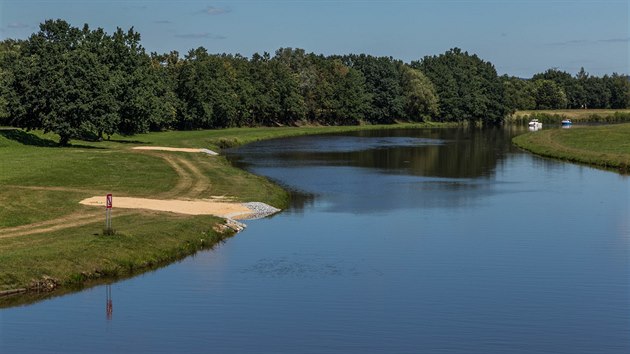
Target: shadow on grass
x,y
125,141
26,138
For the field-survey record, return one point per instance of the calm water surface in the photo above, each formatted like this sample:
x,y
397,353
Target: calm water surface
x,y
401,241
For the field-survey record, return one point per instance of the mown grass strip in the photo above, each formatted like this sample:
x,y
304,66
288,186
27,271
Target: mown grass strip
x,y
603,146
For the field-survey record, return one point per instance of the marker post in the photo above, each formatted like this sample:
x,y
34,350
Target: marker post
x,y
108,215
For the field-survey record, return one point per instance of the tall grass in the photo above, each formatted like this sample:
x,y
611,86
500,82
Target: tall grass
x,y
585,116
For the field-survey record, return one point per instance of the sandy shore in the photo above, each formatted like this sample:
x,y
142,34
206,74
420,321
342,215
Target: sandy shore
x,y
164,148
230,210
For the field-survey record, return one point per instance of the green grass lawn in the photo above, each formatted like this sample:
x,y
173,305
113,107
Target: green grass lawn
x,y
605,146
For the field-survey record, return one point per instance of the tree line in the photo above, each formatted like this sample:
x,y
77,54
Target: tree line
x,y
556,89
86,83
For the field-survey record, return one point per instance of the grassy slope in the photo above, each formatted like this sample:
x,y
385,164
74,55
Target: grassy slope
x,y
605,146
41,182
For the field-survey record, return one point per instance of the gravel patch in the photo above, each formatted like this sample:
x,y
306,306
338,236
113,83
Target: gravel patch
x,y
259,210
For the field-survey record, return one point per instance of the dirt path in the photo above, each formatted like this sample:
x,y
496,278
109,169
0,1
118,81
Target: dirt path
x,y
191,184
191,181
54,189
201,183
185,180
65,222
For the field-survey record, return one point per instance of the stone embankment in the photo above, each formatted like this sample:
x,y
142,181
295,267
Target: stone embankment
x,y
259,210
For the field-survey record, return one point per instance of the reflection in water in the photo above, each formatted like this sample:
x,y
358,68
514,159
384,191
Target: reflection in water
x,y
458,162
455,153
300,201
109,305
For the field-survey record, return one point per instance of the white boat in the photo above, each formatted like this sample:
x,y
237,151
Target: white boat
x,y
535,124
566,122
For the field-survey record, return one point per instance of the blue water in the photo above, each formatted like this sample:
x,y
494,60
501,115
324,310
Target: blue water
x,y
448,241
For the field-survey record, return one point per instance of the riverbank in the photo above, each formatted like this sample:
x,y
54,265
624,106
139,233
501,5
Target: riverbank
x,y
603,146
59,242
577,115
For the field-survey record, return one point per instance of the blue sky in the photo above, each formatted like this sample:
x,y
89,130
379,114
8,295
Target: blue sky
x,y
519,37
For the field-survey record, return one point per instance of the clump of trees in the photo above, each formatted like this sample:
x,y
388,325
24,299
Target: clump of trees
x,y
469,88
86,83
555,89
81,82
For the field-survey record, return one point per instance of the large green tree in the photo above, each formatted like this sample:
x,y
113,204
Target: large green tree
x,y
573,90
276,98
421,100
85,83
142,93
165,69
519,93
349,96
549,95
619,88
58,82
331,91
10,57
207,88
468,87
383,84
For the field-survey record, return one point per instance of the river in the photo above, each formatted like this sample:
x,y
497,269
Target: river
x,y
397,241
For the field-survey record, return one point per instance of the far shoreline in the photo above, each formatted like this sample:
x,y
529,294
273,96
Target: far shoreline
x,y
601,146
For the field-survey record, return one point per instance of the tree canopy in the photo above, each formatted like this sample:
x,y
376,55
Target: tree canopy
x,y
555,89
468,87
81,82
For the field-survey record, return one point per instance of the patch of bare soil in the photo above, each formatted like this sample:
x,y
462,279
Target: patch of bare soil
x,y
165,148
191,183
189,207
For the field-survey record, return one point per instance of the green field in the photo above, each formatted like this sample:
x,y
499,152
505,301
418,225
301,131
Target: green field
x,y
604,146
46,233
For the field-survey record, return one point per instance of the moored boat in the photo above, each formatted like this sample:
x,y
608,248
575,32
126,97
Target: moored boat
x,y
534,124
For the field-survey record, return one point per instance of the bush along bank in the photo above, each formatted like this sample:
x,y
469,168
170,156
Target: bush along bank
x,y
557,118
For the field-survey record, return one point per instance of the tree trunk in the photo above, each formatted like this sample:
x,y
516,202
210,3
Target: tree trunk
x,y
64,139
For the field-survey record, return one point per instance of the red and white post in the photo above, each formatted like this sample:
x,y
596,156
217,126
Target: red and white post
x,y
108,214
